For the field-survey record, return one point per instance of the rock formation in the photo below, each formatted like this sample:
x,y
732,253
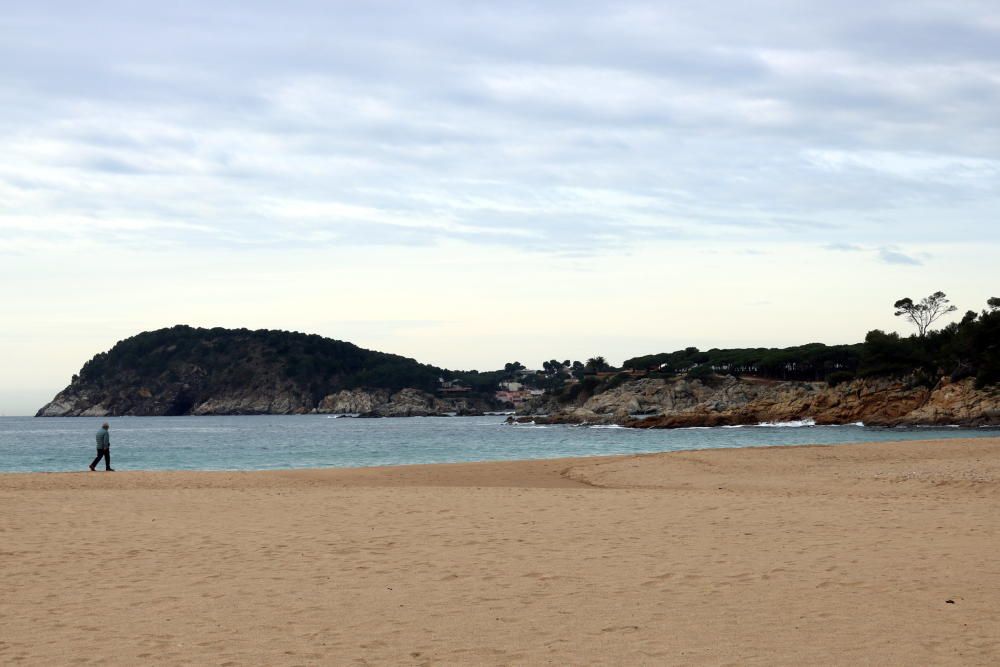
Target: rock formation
x,y
725,401
403,403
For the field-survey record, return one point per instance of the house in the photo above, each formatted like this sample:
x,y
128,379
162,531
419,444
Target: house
x,y
451,388
517,397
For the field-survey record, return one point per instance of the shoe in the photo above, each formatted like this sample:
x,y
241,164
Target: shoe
x,y
91,468
109,470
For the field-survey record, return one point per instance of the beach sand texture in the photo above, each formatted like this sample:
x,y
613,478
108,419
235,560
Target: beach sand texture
x,y
845,555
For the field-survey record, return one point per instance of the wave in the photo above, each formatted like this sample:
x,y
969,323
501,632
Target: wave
x,y
860,424
798,423
527,425
605,426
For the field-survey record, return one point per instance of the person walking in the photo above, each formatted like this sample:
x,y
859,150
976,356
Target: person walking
x,y
103,448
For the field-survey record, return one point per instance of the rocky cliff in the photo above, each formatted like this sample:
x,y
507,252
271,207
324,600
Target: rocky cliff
x,y
724,401
403,403
187,371
275,401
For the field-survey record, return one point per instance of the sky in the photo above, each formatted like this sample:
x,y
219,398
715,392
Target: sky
x,y
471,183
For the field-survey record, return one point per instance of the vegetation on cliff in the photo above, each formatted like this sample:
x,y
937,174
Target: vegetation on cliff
x,y
945,377
804,362
177,370
226,357
969,348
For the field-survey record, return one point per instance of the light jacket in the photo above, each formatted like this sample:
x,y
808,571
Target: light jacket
x,y
103,439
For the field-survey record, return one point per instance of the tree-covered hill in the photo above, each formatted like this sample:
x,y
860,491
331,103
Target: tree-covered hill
x,y
240,355
814,361
169,371
968,348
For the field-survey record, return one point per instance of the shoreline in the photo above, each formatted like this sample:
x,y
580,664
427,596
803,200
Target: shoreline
x,y
866,553
538,460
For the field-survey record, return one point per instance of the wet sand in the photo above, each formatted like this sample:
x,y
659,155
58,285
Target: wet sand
x,y
871,554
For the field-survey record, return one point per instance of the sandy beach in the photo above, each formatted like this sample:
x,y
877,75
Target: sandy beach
x,y
868,554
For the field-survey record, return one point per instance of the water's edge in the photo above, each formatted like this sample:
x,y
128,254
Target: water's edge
x,y
271,442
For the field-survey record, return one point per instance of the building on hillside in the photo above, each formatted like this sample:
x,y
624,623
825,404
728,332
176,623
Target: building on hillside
x,y
516,398
451,388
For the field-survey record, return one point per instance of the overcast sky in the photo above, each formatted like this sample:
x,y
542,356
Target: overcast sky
x,y
470,183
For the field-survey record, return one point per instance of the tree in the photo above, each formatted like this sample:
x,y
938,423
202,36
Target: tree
x,y
993,302
923,314
597,364
552,367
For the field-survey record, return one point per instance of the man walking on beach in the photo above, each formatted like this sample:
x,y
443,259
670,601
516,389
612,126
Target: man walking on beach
x,y
103,448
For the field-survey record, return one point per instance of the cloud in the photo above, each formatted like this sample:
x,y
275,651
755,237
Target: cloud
x,y
583,127
895,257
844,247
886,255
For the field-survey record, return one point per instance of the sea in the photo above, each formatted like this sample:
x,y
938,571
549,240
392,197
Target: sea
x,y
270,442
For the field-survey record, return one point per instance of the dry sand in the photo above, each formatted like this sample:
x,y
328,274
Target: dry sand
x,y
808,555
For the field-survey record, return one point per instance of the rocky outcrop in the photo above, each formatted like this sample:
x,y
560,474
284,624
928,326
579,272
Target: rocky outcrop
x,y
353,402
403,403
172,400
276,400
269,403
723,401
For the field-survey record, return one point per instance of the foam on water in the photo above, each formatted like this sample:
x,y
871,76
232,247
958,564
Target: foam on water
x,y
798,423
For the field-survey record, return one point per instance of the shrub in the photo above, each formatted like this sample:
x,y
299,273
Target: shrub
x,y
702,372
839,377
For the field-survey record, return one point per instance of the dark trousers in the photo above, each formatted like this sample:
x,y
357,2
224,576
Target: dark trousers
x,y
106,455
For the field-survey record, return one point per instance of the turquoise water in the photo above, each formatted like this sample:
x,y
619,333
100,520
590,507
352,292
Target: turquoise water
x,y
314,441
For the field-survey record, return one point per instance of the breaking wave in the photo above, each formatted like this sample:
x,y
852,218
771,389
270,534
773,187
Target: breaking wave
x,y
798,423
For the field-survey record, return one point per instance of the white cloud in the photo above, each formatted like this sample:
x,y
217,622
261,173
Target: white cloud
x,y
922,167
574,136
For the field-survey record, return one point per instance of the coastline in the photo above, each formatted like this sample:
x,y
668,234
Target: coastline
x,y
764,555
288,442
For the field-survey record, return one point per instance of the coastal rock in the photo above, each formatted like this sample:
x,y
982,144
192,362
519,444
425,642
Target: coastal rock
x,y
728,401
412,403
277,400
60,406
353,401
403,403
72,403
958,403
280,402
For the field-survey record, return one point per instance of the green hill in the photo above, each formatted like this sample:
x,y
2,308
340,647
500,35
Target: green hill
x,y
169,371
